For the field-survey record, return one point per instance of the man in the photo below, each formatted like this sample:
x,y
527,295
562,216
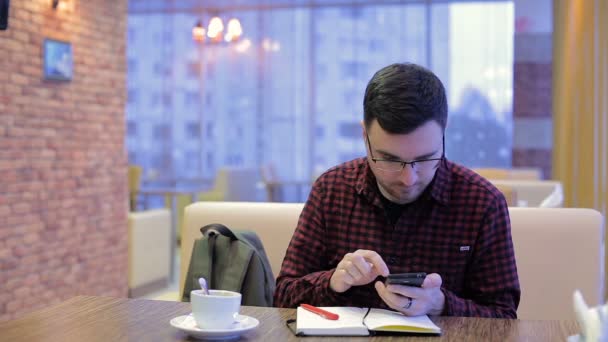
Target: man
x,y
404,208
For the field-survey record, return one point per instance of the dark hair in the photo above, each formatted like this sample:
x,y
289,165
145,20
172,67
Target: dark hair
x,y
403,97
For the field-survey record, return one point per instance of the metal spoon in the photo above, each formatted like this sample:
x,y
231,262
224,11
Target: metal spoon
x,y
203,284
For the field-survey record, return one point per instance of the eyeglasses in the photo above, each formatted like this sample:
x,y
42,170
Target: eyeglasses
x,y
393,165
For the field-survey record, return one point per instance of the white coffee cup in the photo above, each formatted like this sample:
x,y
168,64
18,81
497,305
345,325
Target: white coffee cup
x,y
216,310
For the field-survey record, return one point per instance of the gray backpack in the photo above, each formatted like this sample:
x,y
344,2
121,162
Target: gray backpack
x,y
232,260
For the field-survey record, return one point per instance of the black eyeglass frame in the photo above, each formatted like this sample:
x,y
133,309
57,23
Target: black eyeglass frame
x,y
405,163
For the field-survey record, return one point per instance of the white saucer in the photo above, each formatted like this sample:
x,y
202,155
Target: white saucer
x,y
188,325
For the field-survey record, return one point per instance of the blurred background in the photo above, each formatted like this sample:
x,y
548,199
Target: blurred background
x,y
288,93
161,103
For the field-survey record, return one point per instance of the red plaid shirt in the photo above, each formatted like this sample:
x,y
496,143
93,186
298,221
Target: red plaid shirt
x,y
458,228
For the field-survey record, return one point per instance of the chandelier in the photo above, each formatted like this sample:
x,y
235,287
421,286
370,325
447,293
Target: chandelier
x,y
215,33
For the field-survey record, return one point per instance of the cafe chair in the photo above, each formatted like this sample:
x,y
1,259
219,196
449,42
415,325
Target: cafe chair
x,y
149,252
510,173
270,180
509,193
534,193
134,180
233,184
182,200
283,190
274,223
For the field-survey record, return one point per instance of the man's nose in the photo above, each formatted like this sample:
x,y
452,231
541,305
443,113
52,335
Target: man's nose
x,y
408,175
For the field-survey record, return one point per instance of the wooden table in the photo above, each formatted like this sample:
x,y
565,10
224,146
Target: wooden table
x,y
120,319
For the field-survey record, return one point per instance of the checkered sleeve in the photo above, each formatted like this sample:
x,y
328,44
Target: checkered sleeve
x,y
304,275
491,284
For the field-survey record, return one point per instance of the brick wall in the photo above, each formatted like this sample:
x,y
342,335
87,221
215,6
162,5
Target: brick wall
x,y
63,191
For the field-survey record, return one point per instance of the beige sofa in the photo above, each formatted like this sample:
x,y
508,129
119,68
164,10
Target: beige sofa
x,y
273,222
557,250
149,238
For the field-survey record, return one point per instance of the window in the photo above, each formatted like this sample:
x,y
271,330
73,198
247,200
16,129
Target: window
x,y
321,70
319,131
345,156
350,130
193,130
131,35
209,130
162,132
167,99
132,96
352,12
191,99
244,107
194,69
154,100
376,45
210,161
209,99
210,71
159,69
168,37
161,161
351,69
131,128
132,155
132,65
192,160
352,97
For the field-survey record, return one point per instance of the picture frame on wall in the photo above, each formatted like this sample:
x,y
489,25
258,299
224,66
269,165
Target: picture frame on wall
x,y
58,60
4,5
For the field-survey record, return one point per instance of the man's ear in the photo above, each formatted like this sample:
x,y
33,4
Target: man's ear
x,y
363,132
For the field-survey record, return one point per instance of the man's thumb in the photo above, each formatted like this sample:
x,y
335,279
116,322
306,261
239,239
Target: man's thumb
x,y
432,280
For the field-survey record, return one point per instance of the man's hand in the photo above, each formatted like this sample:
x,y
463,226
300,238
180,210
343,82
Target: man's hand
x,y
414,301
358,268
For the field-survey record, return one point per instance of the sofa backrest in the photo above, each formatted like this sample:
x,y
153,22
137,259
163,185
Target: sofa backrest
x,y
558,250
273,222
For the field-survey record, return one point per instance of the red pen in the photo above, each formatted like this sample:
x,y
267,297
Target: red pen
x,y
323,313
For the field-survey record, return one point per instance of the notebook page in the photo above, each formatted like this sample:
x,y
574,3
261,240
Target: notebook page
x,y
386,320
349,323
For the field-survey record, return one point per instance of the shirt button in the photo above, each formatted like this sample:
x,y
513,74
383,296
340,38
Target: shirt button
x,y
392,260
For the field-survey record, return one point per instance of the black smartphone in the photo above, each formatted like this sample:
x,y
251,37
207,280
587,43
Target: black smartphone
x,y
407,279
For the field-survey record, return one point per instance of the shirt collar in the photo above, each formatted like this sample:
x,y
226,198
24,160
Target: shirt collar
x,y
439,188
366,185
441,185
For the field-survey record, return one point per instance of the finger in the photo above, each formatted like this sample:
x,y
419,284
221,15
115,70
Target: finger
x,y
391,299
432,280
383,293
406,291
364,267
376,260
345,277
353,271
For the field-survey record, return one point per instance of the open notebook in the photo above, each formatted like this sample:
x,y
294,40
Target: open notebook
x,y
352,323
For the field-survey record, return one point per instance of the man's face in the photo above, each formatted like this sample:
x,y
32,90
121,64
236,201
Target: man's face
x,y
404,185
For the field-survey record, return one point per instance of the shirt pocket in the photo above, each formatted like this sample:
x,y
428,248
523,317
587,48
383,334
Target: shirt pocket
x,y
454,268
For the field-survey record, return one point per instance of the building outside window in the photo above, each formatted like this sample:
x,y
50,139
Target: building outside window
x,y
294,97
